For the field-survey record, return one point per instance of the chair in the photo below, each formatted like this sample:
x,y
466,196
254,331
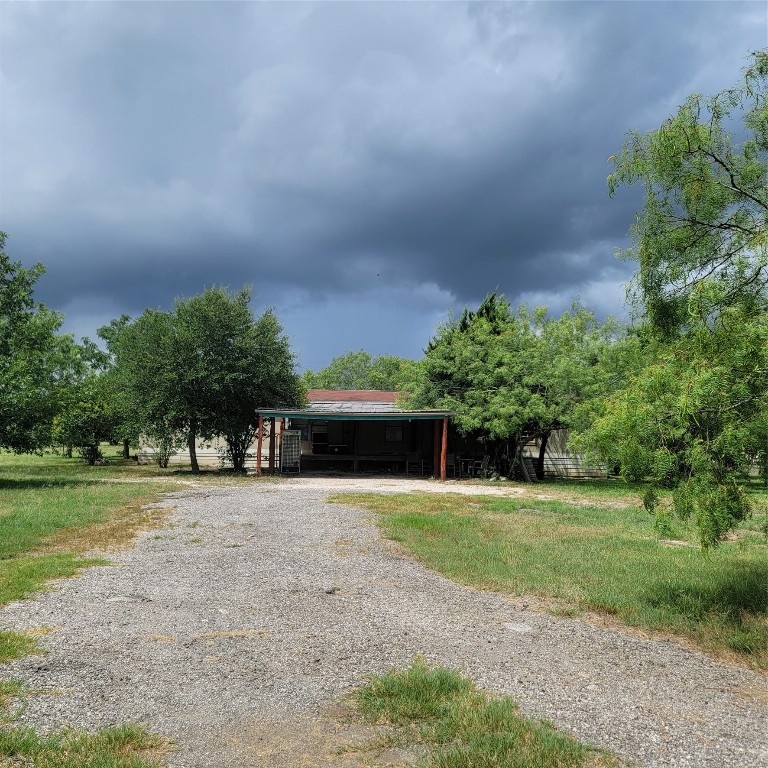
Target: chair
x,y
414,464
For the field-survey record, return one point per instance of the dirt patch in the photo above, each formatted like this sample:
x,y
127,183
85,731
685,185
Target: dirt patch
x,y
332,739
116,533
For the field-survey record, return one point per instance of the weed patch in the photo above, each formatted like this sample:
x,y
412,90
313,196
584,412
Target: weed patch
x,y
14,645
457,726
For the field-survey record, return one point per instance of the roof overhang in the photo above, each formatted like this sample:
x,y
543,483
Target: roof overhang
x,y
309,413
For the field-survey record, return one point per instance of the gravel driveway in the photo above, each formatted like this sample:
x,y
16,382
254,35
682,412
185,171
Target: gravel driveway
x,y
236,627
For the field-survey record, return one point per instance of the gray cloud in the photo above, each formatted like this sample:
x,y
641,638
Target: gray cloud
x,y
368,161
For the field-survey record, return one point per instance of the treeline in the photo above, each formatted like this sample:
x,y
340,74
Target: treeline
x,y
170,378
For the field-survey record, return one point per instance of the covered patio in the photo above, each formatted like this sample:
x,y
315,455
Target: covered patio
x,y
355,431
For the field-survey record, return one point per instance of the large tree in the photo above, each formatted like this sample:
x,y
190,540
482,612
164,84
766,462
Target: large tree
x,y
201,371
31,359
513,376
693,418
705,175
88,413
230,364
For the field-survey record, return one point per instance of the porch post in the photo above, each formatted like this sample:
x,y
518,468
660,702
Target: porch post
x,y
436,450
272,445
258,445
280,443
444,451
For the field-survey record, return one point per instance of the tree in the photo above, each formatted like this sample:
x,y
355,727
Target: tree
x,y
30,359
359,370
513,376
202,370
706,197
87,410
693,418
142,381
229,365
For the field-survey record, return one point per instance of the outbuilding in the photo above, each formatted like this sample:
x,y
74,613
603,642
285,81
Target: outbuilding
x,y
356,430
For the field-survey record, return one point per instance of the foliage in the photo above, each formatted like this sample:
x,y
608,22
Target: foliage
x,y
704,218
460,726
87,411
30,359
164,441
202,370
359,370
514,376
693,417
141,380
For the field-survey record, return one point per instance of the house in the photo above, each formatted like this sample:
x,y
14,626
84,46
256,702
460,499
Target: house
x,y
342,430
356,430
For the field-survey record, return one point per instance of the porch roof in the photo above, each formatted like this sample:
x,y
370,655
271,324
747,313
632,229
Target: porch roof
x,y
352,414
353,405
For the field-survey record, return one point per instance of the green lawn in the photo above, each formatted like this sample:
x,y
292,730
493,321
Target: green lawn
x,y
53,509
582,557
127,746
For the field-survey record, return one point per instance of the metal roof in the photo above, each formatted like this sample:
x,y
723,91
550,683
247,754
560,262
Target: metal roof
x,y
352,414
353,405
352,396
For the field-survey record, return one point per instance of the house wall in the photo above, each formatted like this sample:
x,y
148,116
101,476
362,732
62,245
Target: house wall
x,y
210,453
561,462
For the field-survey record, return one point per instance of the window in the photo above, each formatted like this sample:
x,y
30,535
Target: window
x,y
394,433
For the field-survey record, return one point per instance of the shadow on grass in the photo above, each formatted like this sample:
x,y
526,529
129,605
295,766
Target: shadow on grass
x,y
729,612
38,483
739,590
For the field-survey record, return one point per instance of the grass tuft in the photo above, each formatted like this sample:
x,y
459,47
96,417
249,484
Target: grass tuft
x,y
459,726
14,645
127,746
417,693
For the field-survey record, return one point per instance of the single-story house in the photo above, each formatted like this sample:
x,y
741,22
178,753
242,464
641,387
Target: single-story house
x,y
357,430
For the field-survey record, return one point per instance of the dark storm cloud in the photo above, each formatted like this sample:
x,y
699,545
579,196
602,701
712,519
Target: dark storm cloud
x,y
380,157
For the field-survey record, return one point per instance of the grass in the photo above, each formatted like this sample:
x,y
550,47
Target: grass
x,y
581,557
458,726
14,645
52,510
127,746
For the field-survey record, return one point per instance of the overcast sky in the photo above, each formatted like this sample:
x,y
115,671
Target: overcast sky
x,y
366,167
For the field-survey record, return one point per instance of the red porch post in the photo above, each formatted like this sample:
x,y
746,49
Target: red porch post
x,y
444,451
272,445
436,450
258,446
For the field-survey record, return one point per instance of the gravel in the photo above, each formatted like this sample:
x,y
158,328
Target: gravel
x,y
257,607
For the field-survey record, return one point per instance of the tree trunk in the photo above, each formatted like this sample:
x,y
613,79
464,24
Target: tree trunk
x,y
68,453
237,449
542,452
193,451
126,450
